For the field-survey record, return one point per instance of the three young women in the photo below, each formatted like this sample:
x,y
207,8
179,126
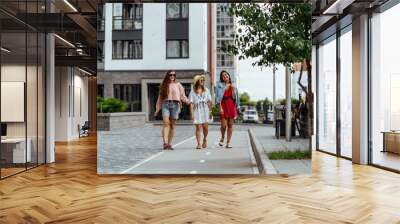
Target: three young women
x,y
172,95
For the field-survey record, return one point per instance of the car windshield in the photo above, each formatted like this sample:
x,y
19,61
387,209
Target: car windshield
x,y
250,112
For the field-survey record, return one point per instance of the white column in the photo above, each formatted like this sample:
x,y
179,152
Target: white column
x,y
360,90
50,99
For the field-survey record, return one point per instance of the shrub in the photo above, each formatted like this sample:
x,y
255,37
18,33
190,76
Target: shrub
x,y
100,101
215,111
289,155
111,105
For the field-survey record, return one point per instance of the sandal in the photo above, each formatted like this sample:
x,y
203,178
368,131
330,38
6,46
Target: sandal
x,y
165,146
170,147
221,142
204,144
228,146
198,147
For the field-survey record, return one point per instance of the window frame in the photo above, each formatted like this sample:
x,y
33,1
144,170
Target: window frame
x,y
180,11
128,58
126,94
180,49
123,20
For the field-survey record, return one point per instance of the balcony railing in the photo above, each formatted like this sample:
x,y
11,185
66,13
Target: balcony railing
x,y
127,24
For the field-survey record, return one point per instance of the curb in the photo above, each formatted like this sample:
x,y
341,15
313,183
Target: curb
x,y
263,163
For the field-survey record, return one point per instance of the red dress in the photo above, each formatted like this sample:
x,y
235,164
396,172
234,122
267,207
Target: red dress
x,y
228,105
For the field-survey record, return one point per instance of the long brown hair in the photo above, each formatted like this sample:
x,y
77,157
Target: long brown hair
x,y
164,88
221,79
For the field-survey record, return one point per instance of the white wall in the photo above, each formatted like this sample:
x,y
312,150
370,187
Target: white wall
x,y
71,87
154,40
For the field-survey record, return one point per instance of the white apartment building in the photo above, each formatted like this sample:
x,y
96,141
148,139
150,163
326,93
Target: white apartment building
x,y
224,26
138,43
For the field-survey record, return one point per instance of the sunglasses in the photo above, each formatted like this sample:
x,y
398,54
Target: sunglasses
x,y
172,74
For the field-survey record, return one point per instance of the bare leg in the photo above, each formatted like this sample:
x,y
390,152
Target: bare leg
x,y
230,130
198,135
223,129
171,131
205,133
164,131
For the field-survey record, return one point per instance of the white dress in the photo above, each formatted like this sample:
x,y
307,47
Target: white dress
x,y
201,112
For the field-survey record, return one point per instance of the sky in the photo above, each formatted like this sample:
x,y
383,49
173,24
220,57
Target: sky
x,y
258,81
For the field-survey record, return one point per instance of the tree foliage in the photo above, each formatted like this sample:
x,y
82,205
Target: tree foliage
x,y
244,98
275,33
272,33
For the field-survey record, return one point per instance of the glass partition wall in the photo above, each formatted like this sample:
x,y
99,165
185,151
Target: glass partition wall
x,y
327,95
385,89
334,99
345,62
22,107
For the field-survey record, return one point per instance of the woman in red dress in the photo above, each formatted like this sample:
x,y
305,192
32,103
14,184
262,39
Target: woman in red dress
x,y
228,101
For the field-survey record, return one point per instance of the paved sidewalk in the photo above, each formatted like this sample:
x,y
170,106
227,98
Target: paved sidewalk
x,y
185,159
266,136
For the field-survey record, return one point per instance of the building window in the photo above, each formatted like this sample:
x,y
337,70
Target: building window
x,y
127,16
100,50
100,17
127,49
177,48
224,59
224,31
131,94
177,10
100,90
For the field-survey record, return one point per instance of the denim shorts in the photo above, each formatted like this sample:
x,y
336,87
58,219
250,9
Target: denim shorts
x,y
171,109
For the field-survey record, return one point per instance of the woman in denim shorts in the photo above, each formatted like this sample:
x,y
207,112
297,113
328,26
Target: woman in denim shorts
x,y
169,101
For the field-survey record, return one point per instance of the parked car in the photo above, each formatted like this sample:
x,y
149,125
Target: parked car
x,y
269,117
250,116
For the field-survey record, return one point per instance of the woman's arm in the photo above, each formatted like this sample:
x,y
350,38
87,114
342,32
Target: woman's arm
x,y
158,105
191,111
182,94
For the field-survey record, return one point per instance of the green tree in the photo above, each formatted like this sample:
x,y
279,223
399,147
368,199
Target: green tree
x,y
244,98
272,34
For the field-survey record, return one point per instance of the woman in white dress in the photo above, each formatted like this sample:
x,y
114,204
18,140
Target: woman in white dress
x,y
200,108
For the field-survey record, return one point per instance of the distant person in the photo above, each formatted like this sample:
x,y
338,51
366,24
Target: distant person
x,y
200,109
227,99
169,101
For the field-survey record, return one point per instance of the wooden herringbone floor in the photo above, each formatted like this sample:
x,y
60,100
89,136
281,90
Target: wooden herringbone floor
x,y
70,191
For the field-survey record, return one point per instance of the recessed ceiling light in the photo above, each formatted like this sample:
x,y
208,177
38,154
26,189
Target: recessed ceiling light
x,y
70,5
